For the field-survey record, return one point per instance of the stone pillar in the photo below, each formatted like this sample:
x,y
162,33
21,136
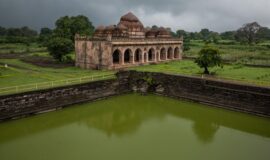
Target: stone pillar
x,y
122,60
158,57
132,58
145,58
141,59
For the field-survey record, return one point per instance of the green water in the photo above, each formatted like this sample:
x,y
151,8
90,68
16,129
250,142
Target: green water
x,y
134,127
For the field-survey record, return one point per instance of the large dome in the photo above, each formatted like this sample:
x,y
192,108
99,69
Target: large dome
x,y
133,24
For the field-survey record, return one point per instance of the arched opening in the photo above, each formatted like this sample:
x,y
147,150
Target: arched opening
x,y
151,55
137,55
170,53
128,56
176,53
116,57
163,54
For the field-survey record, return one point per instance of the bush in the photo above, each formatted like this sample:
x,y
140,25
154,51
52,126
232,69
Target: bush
x,y
59,47
67,59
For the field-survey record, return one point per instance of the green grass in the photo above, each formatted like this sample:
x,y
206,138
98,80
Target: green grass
x,y
20,73
256,55
238,73
20,48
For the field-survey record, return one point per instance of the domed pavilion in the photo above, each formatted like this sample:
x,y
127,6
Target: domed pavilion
x,y
126,44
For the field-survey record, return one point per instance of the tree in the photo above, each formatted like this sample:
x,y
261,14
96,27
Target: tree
x,y
208,57
228,35
205,34
264,34
154,27
59,47
3,31
248,33
186,37
44,36
215,37
67,27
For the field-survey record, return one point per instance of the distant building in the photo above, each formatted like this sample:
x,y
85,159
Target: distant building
x,y
126,44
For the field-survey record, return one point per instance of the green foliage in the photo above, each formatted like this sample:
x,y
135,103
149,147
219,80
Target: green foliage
x,y
208,57
18,35
67,27
45,36
59,47
228,35
149,80
248,33
3,31
186,37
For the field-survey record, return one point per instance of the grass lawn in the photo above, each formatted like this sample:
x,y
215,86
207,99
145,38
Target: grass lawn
x,y
239,73
256,55
20,48
20,73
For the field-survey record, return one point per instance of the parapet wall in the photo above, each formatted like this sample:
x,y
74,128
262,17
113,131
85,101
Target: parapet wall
x,y
244,98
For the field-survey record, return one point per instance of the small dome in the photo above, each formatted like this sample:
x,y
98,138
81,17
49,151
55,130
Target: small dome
x,y
100,28
111,27
162,32
121,27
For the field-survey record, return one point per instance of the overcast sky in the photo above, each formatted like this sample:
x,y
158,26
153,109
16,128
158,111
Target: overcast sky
x,y
190,15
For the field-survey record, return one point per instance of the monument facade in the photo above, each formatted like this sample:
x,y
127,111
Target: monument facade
x,y
126,44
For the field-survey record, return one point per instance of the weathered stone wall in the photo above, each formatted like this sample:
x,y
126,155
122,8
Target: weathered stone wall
x,y
24,104
244,98
93,54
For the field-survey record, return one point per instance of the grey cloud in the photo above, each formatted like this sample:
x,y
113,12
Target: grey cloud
x,y
191,15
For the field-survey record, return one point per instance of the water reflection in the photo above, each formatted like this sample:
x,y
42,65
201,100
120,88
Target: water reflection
x,y
124,115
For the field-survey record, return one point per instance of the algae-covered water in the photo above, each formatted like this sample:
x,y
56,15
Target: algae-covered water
x,y
135,127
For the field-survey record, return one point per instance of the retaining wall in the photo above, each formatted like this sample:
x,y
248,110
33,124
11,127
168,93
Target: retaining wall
x,y
244,98
25,104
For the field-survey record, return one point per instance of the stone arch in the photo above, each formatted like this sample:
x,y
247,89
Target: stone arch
x,y
128,56
138,55
163,54
151,55
170,53
116,56
176,53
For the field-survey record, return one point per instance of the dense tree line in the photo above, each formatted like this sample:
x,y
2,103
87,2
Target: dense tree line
x,y
18,35
250,33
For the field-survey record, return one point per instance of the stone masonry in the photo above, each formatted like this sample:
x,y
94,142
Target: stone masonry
x,y
126,44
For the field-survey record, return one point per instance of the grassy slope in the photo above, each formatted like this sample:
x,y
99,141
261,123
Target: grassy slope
x,y
259,76
23,73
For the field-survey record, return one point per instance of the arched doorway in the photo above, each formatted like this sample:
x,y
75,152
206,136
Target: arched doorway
x,y
163,54
138,56
170,53
128,56
176,53
151,55
116,57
